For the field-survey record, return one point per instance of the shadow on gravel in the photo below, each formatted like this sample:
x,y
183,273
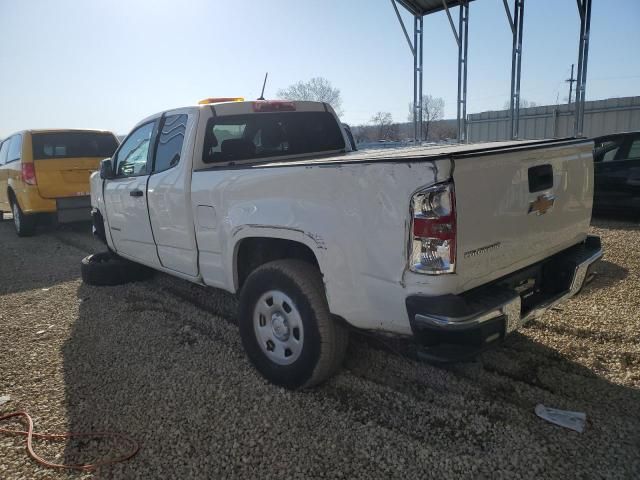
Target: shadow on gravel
x,y
19,272
607,275
142,361
617,220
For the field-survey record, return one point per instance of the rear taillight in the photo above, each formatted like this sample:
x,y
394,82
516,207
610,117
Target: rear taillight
x,y
433,231
29,174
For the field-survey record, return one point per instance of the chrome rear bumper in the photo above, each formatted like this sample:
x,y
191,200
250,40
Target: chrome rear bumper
x,y
496,310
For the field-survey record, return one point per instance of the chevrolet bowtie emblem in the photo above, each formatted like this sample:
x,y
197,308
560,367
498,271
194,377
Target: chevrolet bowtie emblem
x,y
542,204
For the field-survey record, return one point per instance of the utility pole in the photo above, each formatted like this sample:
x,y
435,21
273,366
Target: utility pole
x,y
570,80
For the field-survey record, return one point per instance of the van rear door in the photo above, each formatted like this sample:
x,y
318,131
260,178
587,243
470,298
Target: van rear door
x,y
64,160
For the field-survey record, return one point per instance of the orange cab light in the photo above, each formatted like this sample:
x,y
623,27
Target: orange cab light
x,y
207,101
273,106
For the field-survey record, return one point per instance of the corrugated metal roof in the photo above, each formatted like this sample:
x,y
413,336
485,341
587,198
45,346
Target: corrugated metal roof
x,y
425,7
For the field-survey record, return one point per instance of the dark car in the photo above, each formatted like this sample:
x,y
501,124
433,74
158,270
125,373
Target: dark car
x,y
617,172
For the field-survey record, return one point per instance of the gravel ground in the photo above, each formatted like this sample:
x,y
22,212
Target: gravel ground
x,y
161,360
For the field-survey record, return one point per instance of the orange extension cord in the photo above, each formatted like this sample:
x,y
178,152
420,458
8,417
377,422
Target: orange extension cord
x,y
135,447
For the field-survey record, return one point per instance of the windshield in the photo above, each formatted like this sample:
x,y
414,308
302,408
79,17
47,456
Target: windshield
x,y
260,135
73,145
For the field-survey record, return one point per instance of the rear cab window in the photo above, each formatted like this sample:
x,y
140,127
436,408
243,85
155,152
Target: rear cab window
x,y
51,145
233,138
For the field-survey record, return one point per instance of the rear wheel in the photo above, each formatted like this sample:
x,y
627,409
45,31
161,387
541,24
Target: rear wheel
x,y
286,327
107,268
25,224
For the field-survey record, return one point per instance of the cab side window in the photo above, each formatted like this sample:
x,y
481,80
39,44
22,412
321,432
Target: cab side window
x,y
170,140
15,149
131,159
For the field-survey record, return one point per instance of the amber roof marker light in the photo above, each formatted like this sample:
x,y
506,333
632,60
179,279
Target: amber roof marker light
x,y
207,101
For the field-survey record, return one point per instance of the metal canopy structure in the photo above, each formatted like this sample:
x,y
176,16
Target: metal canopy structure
x,y
419,8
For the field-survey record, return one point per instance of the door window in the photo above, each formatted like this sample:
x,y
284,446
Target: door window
x,y
131,159
15,148
610,155
608,150
634,149
170,142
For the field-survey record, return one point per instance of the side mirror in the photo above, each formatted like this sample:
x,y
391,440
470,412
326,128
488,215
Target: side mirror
x,y
106,169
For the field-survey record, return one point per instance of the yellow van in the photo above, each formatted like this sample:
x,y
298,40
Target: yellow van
x,y
46,172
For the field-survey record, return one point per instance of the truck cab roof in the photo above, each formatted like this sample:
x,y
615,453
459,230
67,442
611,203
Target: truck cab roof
x,y
241,107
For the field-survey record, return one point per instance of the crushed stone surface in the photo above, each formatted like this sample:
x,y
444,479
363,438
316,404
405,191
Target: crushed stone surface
x,y
161,360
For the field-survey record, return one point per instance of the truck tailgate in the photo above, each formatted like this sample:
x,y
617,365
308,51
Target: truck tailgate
x,y
517,207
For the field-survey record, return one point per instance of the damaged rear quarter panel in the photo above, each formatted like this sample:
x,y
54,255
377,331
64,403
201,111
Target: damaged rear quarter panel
x,y
354,217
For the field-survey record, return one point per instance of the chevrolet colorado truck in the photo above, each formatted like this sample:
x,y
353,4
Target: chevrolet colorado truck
x,y
456,246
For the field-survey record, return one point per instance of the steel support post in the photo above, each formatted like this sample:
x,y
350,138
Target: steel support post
x,y
416,51
419,46
416,111
463,29
461,35
584,9
516,23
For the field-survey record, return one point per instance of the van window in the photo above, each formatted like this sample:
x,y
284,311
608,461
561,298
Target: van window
x,y
3,152
261,135
170,142
15,148
73,145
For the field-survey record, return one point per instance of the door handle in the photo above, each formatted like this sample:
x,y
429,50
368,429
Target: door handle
x,y
136,193
540,178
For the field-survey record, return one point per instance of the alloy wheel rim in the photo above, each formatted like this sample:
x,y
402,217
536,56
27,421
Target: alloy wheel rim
x,y
278,327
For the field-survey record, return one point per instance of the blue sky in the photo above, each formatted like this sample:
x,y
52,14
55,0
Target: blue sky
x,y
108,64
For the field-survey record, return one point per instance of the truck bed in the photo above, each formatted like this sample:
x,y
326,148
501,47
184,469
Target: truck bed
x,y
409,153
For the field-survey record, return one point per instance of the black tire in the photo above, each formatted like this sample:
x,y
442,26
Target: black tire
x,y
25,224
107,268
324,341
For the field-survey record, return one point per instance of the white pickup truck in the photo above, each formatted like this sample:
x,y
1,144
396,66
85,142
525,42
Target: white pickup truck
x,y
456,246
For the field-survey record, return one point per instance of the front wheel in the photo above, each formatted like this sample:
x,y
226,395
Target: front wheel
x,y
286,327
25,224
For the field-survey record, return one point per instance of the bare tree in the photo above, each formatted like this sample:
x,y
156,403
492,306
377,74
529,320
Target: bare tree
x,y
524,103
383,121
362,133
432,111
443,130
318,89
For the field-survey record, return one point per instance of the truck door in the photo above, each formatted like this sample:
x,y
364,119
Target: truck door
x,y
169,193
126,197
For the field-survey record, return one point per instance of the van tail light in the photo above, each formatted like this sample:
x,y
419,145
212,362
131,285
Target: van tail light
x,y
433,230
29,174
